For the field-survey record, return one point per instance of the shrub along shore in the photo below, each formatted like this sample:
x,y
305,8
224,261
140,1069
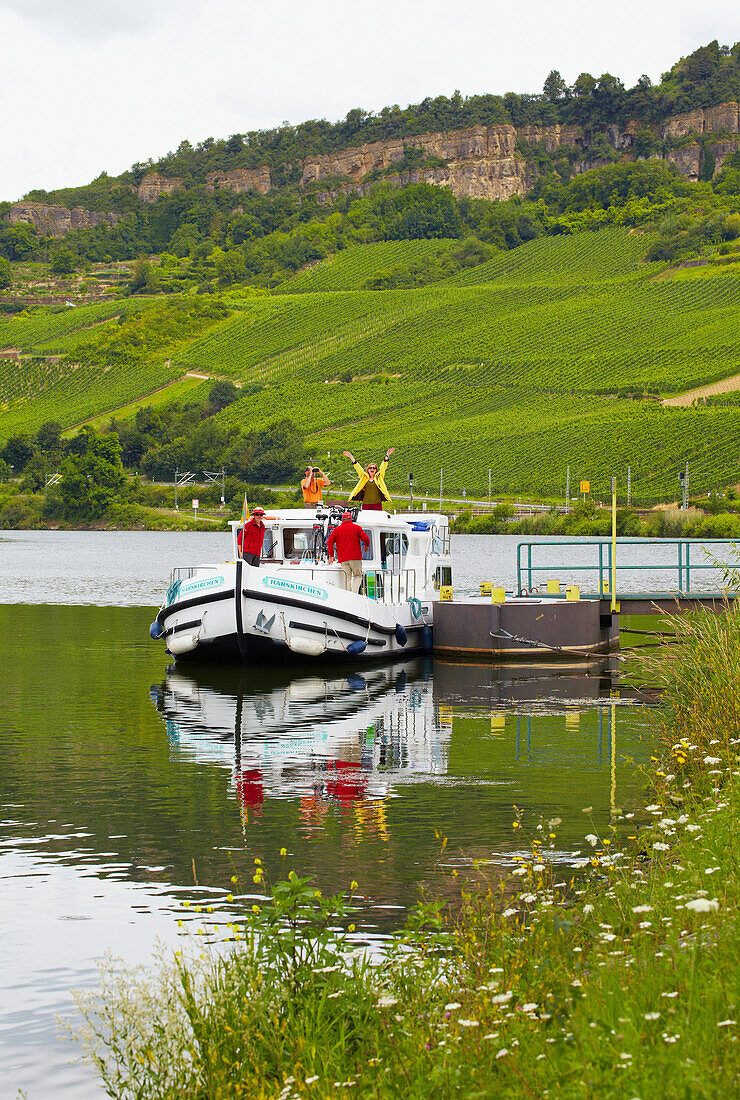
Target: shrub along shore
x,y
621,979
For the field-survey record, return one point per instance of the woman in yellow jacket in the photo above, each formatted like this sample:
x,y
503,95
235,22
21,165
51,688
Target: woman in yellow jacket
x,y
371,489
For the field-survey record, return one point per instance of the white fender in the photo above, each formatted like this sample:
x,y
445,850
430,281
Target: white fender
x,y
182,643
307,647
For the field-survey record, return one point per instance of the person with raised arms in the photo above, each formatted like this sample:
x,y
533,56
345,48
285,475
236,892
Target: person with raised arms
x,y
371,489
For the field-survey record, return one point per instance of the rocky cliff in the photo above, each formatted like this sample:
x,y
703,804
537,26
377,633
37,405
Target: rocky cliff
x,y
240,180
483,162
55,221
153,185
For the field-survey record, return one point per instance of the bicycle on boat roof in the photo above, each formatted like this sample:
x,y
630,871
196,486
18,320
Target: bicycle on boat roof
x,y
326,520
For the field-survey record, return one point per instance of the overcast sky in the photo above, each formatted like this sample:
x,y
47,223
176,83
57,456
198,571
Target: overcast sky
x,y
93,85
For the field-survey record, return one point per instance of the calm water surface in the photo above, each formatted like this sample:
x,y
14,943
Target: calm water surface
x,y
119,771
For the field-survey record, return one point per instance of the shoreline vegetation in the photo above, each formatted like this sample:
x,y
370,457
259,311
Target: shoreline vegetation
x,y
617,974
716,517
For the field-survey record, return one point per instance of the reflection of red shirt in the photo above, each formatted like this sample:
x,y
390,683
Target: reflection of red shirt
x,y
349,785
249,788
250,537
347,539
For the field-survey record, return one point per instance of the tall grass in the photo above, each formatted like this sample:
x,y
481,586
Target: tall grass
x,y
620,978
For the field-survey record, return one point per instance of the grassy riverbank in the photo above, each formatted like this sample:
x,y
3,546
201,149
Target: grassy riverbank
x,y
621,979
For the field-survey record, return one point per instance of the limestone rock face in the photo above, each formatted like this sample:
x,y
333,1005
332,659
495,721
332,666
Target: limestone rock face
x,y
55,221
240,180
724,117
721,150
482,162
688,160
153,185
692,122
703,121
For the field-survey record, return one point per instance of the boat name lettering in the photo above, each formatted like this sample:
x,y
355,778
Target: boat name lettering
x,y
193,586
296,586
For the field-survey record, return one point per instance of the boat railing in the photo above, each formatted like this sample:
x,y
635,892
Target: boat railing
x,y
440,539
185,572
387,586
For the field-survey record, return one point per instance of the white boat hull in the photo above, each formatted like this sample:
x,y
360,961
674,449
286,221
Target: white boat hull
x,y
247,613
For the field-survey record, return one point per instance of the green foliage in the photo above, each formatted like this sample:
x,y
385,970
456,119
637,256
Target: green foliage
x,y
6,274
91,476
63,261
221,394
144,277
18,451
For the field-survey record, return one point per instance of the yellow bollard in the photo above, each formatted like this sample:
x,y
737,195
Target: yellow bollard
x,y
485,588
498,595
573,592
553,588
445,593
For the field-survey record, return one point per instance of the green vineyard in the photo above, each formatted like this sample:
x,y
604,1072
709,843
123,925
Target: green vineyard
x,y
353,267
553,355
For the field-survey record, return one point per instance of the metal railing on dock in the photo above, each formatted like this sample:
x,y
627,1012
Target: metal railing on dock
x,y
682,567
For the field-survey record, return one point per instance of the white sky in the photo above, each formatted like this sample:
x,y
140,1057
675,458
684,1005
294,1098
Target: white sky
x,y
93,85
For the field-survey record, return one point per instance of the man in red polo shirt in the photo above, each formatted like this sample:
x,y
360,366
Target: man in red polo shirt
x,y
250,537
349,538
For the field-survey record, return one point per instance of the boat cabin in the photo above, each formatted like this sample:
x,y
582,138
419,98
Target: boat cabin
x,y
408,556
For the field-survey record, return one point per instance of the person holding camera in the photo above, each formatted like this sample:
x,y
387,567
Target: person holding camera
x,y
313,485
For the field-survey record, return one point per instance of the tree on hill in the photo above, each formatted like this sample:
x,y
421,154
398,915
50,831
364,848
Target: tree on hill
x,y
6,274
92,475
222,393
49,436
144,277
18,451
63,261
555,87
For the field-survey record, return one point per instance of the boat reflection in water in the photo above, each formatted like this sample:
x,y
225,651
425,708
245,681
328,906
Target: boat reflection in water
x,y
338,740
344,740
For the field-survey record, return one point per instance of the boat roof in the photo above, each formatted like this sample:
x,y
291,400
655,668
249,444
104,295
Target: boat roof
x,y
420,521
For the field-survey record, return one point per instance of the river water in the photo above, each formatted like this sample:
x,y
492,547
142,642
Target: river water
x,y
124,779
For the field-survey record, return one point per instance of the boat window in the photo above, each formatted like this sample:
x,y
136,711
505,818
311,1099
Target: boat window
x,y
367,551
442,576
296,541
269,544
394,546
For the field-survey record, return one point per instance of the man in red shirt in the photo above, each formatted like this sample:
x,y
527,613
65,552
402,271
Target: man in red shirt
x,y
349,538
250,537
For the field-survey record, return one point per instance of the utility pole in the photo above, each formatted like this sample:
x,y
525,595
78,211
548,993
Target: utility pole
x,y
684,479
411,491
629,486
184,478
489,488
441,472
567,490
51,479
215,476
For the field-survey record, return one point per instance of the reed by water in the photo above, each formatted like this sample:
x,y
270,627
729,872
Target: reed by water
x,y
619,980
